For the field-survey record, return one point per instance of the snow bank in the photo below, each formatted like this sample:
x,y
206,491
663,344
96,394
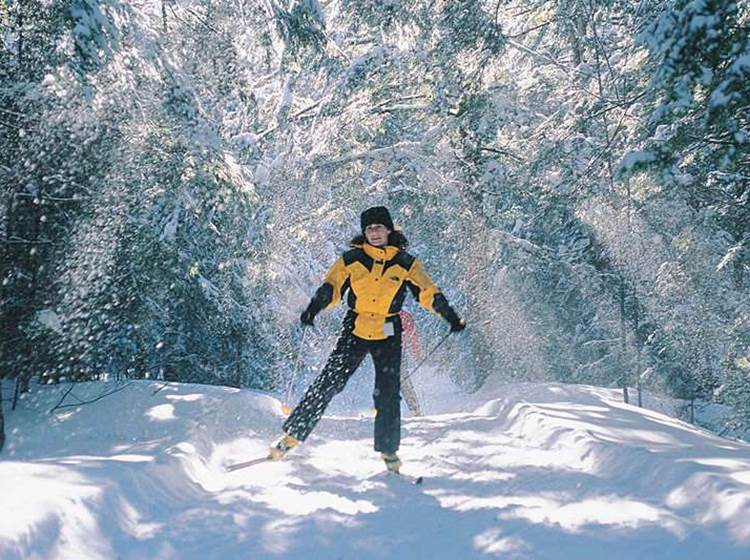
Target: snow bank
x,y
525,471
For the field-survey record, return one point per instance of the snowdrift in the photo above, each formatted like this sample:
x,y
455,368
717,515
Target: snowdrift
x,y
526,471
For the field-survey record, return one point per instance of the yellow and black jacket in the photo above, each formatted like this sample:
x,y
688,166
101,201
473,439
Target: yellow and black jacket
x,y
376,280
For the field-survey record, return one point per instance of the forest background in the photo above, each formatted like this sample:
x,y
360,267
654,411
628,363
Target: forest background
x,y
176,177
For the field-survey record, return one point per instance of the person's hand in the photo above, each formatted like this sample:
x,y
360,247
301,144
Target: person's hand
x,y
307,318
457,326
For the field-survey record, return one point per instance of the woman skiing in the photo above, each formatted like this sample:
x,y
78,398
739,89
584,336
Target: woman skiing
x,y
376,272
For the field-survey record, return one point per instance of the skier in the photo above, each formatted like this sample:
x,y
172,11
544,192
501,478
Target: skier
x,y
377,271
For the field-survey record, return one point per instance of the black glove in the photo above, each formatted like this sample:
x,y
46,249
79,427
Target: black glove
x,y
322,297
307,318
440,304
458,325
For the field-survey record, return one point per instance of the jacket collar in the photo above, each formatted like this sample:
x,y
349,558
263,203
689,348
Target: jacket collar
x,y
384,254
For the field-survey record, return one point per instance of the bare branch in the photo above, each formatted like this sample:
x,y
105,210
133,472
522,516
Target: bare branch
x,y
60,406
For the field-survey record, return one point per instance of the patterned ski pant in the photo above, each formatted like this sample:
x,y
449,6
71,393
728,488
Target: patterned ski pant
x,y
346,357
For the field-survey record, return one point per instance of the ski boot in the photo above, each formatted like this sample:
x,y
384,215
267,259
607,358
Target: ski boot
x,y
282,447
392,462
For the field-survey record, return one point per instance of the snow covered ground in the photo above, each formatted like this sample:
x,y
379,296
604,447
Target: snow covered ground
x,y
531,471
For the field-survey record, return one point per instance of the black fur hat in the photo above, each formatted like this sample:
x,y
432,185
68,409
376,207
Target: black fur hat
x,y
376,215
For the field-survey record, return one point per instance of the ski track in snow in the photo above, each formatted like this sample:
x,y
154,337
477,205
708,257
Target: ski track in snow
x,y
537,471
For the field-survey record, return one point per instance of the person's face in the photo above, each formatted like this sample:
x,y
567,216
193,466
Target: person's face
x,y
377,235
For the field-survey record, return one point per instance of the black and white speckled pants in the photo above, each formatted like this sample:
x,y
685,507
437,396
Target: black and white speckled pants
x,y
346,357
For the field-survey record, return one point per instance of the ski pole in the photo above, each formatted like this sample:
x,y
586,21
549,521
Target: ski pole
x,y
286,408
431,352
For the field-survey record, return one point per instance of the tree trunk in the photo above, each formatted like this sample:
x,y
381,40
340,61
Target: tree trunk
x,y
638,342
2,418
623,343
164,15
20,24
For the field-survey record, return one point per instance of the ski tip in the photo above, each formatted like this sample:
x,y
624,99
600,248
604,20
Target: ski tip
x,y
407,477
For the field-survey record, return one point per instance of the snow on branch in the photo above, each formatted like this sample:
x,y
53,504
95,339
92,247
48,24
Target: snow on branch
x,y
730,257
522,244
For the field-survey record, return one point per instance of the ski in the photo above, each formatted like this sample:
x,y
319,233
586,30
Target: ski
x,y
415,480
245,464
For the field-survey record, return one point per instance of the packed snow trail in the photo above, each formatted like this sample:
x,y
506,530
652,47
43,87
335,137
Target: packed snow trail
x,y
526,471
